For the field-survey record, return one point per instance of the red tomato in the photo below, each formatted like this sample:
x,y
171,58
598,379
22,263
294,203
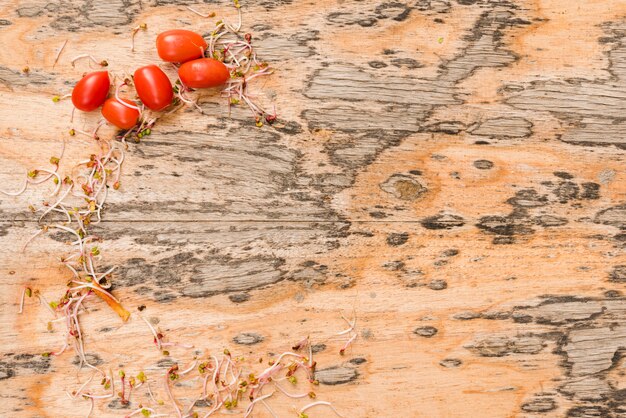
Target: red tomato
x,y
91,91
153,87
203,73
180,45
119,115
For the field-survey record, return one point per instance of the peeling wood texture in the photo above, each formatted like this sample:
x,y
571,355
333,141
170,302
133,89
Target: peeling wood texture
x,y
453,169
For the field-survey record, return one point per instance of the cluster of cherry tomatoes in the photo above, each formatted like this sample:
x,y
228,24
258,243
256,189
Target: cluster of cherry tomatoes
x,y
151,84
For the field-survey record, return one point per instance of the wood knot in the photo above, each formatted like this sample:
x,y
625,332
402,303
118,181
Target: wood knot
x,y
403,187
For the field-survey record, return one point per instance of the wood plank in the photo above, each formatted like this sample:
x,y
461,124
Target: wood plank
x,y
453,171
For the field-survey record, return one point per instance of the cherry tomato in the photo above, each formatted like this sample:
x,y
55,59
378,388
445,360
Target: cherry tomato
x,y
153,87
179,45
119,115
91,91
203,73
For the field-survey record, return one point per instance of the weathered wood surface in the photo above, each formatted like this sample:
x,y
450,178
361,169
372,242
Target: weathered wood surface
x,y
453,169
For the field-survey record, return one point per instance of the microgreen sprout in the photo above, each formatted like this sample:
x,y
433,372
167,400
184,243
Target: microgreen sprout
x,y
92,134
151,395
189,369
142,26
172,375
191,9
58,98
19,191
311,405
56,58
122,393
349,331
123,102
26,291
32,237
80,389
347,344
291,395
101,63
91,405
251,406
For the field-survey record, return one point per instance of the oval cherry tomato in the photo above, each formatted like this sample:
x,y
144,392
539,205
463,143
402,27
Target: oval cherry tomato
x,y
119,115
179,45
203,73
153,87
91,91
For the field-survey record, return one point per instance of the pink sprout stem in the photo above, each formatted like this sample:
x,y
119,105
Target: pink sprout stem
x,y
311,405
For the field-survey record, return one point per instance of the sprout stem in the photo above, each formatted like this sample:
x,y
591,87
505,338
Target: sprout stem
x,y
157,339
19,192
190,368
32,237
69,189
56,58
311,405
22,301
80,389
150,393
133,33
347,344
45,302
169,393
251,406
291,395
117,97
90,407
269,409
91,58
200,14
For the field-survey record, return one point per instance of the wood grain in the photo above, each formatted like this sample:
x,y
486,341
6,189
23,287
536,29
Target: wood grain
x,y
454,170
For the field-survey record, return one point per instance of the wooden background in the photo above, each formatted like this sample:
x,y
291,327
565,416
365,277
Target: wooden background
x,y
452,169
